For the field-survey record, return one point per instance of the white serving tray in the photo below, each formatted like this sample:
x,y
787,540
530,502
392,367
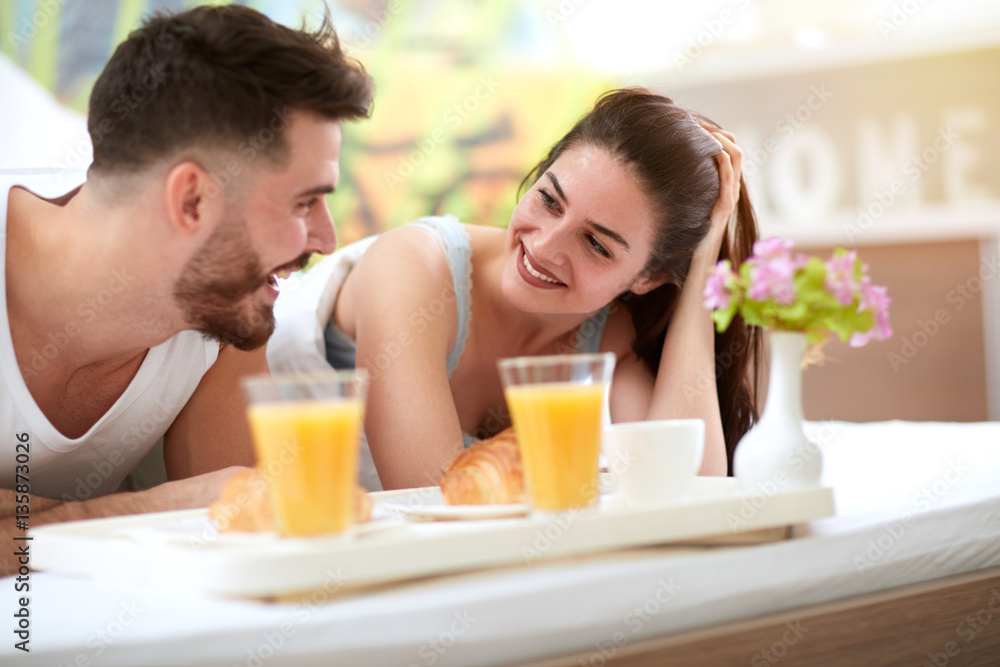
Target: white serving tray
x,y
179,550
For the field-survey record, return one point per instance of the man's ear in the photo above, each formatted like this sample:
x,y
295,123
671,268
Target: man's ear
x,y
645,285
191,193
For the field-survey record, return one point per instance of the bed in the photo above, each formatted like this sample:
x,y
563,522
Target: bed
x,y
907,572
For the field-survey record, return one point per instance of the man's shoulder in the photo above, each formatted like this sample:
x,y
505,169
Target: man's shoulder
x,y
44,182
43,176
40,171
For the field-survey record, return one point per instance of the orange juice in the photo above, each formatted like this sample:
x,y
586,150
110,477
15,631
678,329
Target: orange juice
x,y
558,426
308,451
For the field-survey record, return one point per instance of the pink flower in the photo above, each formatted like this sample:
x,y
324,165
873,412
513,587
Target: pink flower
x,y
772,270
717,294
772,247
875,299
840,277
788,290
773,277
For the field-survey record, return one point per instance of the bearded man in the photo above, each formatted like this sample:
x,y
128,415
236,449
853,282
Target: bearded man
x,y
134,301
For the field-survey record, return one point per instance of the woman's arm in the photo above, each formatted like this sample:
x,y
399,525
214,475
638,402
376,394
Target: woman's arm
x,y
405,325
685,385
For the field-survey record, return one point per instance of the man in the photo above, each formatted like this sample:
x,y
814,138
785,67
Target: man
x,y
131,302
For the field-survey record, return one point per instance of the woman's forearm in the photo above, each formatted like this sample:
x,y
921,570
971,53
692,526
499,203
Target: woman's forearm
x,y
685,381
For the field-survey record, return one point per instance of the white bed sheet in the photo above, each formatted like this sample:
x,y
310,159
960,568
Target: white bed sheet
x,y
915,501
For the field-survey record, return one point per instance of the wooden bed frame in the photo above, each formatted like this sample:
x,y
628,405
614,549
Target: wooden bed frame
x,y
928,623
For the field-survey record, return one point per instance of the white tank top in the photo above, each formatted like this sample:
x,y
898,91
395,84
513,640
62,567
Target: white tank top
x,y
96,462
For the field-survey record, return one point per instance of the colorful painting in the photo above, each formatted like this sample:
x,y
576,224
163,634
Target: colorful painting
x,y
469,96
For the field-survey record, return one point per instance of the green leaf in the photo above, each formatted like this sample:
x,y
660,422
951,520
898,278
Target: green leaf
x,y
815,311
814,336
724,317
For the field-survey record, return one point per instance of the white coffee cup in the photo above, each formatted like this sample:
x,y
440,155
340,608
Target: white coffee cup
x,y
654,461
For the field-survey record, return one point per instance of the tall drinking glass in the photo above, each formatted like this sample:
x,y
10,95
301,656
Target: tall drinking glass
x,y
306,430
556,406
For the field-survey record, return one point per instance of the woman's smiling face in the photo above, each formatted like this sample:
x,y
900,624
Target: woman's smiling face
x,y
580,237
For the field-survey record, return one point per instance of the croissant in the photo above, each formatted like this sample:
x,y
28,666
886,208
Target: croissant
x,y
488,472
245,505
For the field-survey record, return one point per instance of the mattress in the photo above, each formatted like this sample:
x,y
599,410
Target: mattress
x,y
915,501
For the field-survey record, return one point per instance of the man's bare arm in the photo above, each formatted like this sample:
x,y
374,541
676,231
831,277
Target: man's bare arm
x,y
8,503
184,494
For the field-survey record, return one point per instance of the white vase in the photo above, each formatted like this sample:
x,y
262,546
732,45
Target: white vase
x,y
775,454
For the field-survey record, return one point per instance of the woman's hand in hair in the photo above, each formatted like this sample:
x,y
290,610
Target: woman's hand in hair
x,y
730,161
688,355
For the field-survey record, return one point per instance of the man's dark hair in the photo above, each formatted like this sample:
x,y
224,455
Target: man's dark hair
x,y
221,78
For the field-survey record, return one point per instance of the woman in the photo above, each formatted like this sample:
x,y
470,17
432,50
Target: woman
x,y
608,250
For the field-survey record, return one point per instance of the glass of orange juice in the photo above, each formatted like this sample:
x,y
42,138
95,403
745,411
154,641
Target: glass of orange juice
x,y
556,405
306,430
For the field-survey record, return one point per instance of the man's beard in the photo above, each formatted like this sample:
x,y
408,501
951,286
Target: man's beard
x,y
216,282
